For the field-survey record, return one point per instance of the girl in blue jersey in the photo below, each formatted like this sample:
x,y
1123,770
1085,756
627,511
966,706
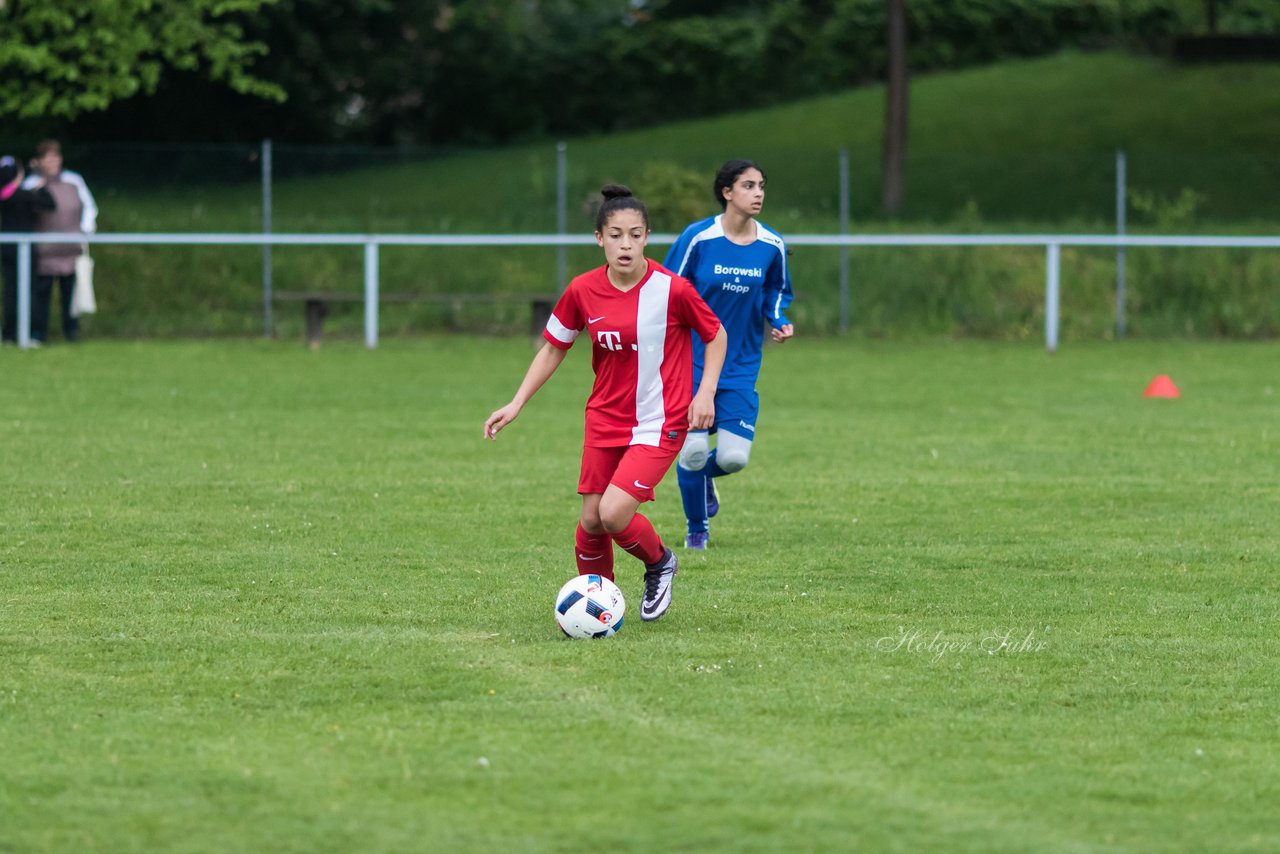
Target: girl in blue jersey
x,y
739,266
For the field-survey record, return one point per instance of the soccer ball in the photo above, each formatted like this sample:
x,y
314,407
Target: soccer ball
x,y
590,606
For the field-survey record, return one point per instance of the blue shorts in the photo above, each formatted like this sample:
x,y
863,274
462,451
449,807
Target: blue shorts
x,y
736,411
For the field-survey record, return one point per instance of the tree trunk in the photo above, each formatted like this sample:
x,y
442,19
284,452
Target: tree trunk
x,y
893,168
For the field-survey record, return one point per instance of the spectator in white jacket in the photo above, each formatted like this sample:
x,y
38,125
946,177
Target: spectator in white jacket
x,y
75,211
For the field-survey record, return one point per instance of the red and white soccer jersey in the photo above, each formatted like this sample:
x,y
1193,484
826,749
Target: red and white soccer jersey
x,y
641,352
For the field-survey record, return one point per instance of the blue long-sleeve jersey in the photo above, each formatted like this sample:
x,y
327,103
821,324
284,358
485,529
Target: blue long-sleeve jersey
x,y
743,285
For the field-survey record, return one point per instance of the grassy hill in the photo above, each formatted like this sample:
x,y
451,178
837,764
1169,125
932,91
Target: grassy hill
x,y
1025,145
978,135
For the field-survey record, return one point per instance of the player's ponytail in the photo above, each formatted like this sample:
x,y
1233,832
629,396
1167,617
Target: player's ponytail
x,y
619,197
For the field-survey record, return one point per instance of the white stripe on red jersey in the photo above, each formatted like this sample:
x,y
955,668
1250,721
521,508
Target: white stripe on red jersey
x,y
560,332
651,337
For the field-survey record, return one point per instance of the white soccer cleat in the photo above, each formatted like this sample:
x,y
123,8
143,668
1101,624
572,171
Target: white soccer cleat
x,y
657,586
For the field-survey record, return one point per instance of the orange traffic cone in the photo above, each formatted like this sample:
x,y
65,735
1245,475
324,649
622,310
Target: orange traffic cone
x,y
1162,386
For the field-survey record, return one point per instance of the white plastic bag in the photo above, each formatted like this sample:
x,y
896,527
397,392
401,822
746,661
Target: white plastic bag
x,y
82,298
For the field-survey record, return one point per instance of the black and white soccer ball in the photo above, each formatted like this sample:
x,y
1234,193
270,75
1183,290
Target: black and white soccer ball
x,y
590,606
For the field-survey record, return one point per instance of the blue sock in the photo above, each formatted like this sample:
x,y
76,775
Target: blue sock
x,y
713,470
693,494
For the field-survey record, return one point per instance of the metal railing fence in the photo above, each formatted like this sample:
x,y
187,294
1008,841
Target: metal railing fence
x,y
371,243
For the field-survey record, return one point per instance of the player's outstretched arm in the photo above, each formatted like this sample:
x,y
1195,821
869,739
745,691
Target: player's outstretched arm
x,y
702,411
540,370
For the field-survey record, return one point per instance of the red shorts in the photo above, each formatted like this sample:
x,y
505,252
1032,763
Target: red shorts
x,y
635,469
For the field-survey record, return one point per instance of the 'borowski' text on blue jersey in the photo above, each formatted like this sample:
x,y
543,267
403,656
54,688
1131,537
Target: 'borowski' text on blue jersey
x,y
744,285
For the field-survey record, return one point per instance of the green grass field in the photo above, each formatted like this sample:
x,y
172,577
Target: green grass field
x,y
967,597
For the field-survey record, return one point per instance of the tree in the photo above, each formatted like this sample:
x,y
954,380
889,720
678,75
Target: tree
x,y
1211,14
893,167
61,58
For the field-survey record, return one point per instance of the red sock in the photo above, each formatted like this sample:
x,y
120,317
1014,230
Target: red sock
x,y
639,539
594,553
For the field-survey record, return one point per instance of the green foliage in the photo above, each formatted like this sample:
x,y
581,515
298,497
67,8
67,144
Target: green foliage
x,y
258,598
61,58
675,195
1170,216
1194,292
1246,16
485,71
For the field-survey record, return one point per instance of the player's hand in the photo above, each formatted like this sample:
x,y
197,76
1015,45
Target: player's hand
x,y
702,412
783,333
499,419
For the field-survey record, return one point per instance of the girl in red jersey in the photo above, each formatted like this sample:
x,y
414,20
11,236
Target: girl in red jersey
x,y
638,316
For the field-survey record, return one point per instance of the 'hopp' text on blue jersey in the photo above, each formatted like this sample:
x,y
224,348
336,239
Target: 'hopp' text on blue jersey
x,y
743,285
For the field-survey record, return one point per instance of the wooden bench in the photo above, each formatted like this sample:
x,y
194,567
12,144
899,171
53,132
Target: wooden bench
x,y
316,305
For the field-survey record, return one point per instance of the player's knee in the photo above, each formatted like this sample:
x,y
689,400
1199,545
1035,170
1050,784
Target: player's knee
x,y
732,459
616,511
591,521
696,450
695,460
733,452
615,519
